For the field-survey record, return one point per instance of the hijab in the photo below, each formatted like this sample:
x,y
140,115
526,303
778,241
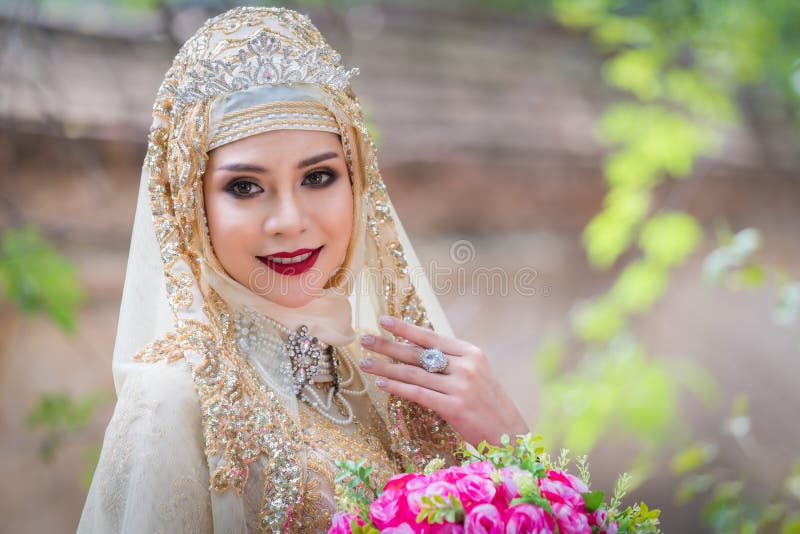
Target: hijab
x,y
248,71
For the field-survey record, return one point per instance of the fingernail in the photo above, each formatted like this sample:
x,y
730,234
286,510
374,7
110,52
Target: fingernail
x,y
380,382
387,321
367,340
365,363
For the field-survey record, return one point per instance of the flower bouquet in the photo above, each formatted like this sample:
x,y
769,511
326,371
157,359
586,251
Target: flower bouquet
x,y
515,488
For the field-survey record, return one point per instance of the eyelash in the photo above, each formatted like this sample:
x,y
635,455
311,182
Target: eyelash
x,y
232,186
326,172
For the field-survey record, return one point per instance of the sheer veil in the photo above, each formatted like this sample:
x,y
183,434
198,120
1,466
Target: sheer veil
x,y
193,412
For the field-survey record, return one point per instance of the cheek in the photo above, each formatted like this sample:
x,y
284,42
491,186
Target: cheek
x,y
229,227
341,216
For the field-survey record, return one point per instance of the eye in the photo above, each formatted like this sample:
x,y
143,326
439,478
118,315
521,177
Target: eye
x,y
319,178
243,188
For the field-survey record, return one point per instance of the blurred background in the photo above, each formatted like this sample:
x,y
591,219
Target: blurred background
x,y
618,182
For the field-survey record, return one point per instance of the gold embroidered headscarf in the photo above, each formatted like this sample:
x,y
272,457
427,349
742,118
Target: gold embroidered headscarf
x,y
244,72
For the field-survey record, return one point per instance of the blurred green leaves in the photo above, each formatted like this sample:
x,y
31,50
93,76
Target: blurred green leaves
x,y
36,278
60,414
655,139
669,238
693,457
733,253
619,390
636,70
681,67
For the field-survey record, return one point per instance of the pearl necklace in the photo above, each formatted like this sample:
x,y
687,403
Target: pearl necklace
x,y
309,357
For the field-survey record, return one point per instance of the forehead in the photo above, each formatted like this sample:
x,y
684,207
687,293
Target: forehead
x,y
279,145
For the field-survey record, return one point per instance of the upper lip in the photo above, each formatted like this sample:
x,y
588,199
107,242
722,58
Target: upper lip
x,y
290,254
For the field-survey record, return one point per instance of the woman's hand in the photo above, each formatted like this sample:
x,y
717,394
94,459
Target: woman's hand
x,y
466,393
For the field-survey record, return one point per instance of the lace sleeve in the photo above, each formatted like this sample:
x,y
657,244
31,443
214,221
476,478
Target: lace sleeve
x,y
152,475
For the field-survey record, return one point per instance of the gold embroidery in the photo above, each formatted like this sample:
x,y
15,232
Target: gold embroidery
x,y
327,442
242,419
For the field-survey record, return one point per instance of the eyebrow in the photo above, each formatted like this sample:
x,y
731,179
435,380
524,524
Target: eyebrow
x,y
250,167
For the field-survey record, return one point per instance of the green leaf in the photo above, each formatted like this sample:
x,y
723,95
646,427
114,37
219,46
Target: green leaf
x,y
355,528
622,30
669,238
549,356
592,500
610,232
636,70
436,509
791,525
692,486
639,286
580,13
598,321
693,457
751,276
701,95
36,278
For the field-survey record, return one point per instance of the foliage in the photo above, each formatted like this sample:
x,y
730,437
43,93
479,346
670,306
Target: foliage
x,y
683,67
727,509
355,490
612,391
36,278
497,483
684,64
60,416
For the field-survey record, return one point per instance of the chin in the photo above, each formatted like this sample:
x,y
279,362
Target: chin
x,y
291,300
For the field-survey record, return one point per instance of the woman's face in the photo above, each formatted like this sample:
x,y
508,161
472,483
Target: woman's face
x,y
280,212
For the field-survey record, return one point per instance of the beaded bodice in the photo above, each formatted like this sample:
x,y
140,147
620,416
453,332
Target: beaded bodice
x,y
329,431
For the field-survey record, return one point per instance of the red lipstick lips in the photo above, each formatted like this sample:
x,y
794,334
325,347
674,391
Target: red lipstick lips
x,y
285,262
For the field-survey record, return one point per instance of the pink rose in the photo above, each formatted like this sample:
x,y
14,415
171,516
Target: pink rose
x,y
402,528
417,484
444,528
484,519
450,474
599,517
569,520
385,510
401,481
508,489
414,498
482,469
474,490
341,523
528,519
559,487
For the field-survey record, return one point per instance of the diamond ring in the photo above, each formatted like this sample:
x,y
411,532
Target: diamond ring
x,y
433,360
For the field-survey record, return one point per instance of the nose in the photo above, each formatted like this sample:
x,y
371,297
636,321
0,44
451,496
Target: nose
x,y
286,216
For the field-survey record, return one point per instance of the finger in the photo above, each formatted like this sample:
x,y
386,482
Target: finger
x,y
436,401
409,374
424,337
402,352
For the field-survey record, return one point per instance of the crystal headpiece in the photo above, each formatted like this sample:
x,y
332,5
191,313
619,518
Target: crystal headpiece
x,y
264,60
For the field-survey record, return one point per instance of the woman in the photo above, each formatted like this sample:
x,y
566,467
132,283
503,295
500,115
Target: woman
x,y
264,240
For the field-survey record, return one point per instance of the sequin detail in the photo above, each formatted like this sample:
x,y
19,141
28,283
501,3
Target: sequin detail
x,y
242,419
